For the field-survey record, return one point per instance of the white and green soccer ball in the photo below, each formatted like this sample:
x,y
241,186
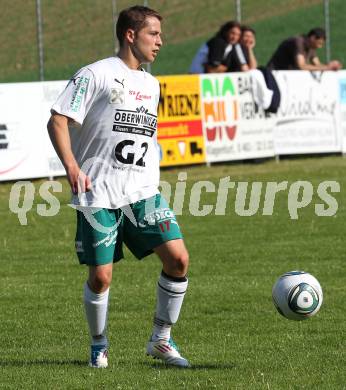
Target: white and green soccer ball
x,y
297,295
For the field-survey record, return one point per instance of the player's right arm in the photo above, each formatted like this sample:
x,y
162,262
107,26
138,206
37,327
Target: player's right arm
x,y
71,107
60,138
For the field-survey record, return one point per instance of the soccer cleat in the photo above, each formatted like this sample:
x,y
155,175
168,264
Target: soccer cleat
x,y
167,351
99,356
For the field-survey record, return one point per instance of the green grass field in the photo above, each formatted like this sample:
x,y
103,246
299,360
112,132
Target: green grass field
x,y
228,327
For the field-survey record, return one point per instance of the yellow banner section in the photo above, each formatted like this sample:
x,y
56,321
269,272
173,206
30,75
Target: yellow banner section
x,y
180,133
179,98
182,151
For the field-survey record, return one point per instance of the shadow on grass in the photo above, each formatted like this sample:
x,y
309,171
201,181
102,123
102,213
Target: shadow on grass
x,y
207,366
28,363
84,363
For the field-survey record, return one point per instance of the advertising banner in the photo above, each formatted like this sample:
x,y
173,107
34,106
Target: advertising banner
x,y
25,148
234,127
22,143
342,101
201,118
50,91
308,119
180,133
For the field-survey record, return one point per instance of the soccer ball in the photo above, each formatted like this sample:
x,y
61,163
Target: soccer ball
x,y
297,295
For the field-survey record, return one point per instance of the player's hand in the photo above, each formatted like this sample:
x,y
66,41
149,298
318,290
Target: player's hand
x,y
78,180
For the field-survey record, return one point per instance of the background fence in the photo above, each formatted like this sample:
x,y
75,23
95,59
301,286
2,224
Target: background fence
x,y
73,33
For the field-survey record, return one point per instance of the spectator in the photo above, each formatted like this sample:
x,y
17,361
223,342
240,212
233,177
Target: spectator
x,y
221,53
248,43
200,59
299,53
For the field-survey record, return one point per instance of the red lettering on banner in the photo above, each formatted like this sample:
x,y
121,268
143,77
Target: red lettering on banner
x,y
179,129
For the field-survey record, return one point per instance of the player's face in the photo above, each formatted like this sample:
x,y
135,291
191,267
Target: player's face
x,y
234,35
147,41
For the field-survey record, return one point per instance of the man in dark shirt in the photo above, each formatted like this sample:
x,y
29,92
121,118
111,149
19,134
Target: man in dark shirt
x,y
299,53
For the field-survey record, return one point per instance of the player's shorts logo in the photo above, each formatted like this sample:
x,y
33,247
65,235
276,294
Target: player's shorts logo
x,y
117,96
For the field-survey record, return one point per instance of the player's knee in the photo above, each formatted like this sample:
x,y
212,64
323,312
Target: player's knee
x,y
100,280
180,263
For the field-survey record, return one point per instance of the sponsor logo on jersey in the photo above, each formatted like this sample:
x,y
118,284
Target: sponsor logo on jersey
x,y
109,240
120,82
138,121
139,96
74,80
117,96
79,91
158,216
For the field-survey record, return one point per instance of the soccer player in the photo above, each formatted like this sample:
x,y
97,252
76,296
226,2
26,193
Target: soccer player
x,y
104,128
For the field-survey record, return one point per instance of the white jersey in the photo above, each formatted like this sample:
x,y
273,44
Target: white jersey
x,y
114,132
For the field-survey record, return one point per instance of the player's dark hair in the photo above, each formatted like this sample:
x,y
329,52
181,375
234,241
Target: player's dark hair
x,y
247,28
224,29
133,18
317,32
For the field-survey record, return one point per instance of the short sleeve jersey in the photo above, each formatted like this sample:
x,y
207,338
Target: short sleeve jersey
x,y
285,56
114,132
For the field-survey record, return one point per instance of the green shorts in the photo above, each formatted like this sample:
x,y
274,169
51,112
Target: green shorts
x,y
142,226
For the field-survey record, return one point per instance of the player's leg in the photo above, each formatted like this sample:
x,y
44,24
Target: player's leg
x,y
171,286
157,230
171,289
96,247
96,294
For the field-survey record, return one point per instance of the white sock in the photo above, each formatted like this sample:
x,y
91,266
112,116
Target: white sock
x,y
96,307
170,296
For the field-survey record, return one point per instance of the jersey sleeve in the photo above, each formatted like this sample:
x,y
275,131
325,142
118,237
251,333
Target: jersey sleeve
x,y
76,99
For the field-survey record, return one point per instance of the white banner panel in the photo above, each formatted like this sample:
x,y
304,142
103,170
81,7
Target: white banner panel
x,y
233,126
50,91
342,100
308,119
25,148
311,119
22,144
